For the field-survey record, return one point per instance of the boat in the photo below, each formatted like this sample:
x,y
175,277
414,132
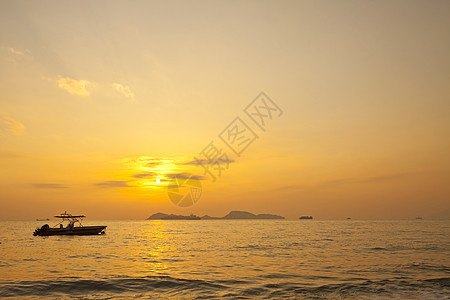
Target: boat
x,y
306,218
73,227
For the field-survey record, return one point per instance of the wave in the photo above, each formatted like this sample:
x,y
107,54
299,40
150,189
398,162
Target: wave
x,y
429,267
169,287
112,285
398,248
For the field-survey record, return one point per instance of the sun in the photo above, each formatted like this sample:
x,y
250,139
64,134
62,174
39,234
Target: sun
x,y
157,181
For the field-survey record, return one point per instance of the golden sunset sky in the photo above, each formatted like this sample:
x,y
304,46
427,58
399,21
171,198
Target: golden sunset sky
x,y
99,99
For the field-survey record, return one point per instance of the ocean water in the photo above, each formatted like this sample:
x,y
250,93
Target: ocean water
x,y
230,259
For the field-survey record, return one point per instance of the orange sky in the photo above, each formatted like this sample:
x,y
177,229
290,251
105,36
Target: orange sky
x,y
100,99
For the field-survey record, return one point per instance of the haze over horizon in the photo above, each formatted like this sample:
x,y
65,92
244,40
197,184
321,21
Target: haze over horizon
x,y
103,103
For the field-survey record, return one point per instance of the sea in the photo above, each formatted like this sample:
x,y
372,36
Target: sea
x,y
230,259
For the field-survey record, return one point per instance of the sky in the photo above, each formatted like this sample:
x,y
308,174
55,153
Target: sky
x,y
106,105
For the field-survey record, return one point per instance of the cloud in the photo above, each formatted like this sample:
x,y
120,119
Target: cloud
x,y
124,90
74,87
10,126
49,186
203,162
373,179
198,177
113,183
185,176
175,186
143,175
338,182
145,161
386,177
17,52
289,187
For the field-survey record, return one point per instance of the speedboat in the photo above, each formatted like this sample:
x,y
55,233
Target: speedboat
x,y
73,227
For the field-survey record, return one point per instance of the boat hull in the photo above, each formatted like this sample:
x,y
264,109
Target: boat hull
x,y
85,230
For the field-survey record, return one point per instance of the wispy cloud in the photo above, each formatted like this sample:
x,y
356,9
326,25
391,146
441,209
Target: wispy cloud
x,y
10,126
387,177
18,52
336,182
373,179
145,161
143,175
49,186
203,162
113,184
124,90
175,186
153,163
289,187
185,176
74,87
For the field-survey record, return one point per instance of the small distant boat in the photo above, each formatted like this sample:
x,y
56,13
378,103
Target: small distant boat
x,y
43,219
73,227
418,218
306,218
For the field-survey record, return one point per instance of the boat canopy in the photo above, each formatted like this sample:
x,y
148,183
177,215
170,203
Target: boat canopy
x,y
68,216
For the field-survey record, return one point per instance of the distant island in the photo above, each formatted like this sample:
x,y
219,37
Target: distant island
x,y
162,216
233,215
306,218
236,214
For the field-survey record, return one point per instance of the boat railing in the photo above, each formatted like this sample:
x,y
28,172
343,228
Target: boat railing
x,y
71,219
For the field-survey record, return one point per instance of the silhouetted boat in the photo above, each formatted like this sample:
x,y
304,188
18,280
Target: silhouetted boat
x,y
306,218
70,229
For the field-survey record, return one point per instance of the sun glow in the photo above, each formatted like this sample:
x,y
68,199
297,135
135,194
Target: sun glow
x,y
153,172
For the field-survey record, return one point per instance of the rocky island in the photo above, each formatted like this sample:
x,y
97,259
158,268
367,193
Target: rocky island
x,y
162,216
233,215
245,215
